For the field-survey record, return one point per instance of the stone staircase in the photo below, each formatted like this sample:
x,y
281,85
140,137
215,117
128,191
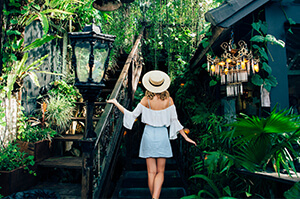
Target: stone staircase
x,y
133,183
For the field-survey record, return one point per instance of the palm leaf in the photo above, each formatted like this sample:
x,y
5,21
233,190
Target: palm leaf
x,y
210,182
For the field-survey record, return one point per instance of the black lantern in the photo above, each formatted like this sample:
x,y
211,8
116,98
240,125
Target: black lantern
x,y
91,49
90,56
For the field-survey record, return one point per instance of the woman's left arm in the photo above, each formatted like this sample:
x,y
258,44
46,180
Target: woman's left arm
x,y
187,138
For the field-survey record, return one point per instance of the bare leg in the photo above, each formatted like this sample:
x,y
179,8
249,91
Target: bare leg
x,y
159,178
152,171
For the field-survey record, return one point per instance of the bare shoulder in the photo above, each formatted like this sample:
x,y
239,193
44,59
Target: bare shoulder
x,y
144,101
171,101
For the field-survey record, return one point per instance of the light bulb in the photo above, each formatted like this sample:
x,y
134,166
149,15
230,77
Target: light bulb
x,y
226,71
256,67
228,60
213,68
243,65
222,63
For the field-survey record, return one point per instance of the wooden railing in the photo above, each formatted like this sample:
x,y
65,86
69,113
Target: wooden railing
x,y
100,159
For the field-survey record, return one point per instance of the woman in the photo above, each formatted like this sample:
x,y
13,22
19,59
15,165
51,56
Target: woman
x,y
158,112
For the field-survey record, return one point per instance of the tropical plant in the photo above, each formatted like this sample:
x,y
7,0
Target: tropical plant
x,y
67,90
11,158
260,141
59,112
294,192
20,71
36,133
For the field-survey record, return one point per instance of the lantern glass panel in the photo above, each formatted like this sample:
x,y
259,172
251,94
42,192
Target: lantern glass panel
x,y
82,53
101,51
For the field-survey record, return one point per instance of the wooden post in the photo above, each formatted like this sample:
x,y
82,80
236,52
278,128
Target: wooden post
x,y
87,146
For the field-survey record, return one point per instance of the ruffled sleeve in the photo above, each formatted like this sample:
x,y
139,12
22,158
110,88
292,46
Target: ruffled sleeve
x,y
175,125
129,117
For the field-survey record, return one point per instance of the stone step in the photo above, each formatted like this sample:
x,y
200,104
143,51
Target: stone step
x,y
66,162
169,192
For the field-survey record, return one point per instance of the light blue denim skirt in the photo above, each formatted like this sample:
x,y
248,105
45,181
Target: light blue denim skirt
x,y
155,143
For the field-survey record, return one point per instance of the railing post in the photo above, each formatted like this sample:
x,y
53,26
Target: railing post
x,y
87,146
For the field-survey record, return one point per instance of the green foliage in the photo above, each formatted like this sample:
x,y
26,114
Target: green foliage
x,y
20,71
59,112
62,88
264,77
11,158
36,133
261,140
294,192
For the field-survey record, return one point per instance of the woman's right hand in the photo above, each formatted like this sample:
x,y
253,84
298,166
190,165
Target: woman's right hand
x,y
111,101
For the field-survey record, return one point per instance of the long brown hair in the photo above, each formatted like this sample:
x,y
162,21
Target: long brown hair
x,y
164,95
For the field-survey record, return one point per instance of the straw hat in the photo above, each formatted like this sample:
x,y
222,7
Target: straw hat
x,y
156,81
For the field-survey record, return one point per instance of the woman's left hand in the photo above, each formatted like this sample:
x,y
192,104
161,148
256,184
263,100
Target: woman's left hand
x,y
191,141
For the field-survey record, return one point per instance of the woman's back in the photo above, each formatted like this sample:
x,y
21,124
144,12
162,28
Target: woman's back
x,y
156,103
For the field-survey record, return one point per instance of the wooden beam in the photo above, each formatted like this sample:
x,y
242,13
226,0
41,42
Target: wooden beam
x,y
216,33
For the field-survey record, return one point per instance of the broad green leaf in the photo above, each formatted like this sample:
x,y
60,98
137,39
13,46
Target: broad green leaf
x,y
257,80
44,22
264,27
267,68
205,42
13,32
267,87
56,11
212,82
39,42
36,6
272,80
13,21
13,57
255,46
258,38
256,26
30,19
34,78
263,54
294,192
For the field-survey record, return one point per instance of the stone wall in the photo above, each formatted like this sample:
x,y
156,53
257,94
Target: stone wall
x,y
53,63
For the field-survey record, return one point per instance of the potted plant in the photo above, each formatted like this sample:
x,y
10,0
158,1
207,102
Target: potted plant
x,y
16,170
36,141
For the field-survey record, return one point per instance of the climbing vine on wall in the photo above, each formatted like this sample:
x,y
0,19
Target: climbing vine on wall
x,y
259,46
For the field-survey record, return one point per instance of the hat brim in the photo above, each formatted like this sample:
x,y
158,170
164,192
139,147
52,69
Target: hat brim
x,y
156,89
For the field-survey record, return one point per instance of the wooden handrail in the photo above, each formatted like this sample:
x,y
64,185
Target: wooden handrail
x,y
109,127
100,127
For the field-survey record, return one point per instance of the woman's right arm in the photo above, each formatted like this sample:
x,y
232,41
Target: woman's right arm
x,y
129,116
117,104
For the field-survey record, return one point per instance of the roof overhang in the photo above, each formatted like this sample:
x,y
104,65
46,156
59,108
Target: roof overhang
x,y
234,10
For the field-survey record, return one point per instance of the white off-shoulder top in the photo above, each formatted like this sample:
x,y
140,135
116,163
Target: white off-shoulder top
x,y
158,118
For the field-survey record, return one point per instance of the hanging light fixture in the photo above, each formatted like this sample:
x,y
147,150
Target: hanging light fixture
x,y
233,66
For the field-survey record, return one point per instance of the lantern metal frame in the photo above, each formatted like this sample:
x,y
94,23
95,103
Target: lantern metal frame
x,y
91,33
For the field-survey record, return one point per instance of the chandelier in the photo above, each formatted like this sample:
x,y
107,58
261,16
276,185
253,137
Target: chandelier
x,y
234,66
